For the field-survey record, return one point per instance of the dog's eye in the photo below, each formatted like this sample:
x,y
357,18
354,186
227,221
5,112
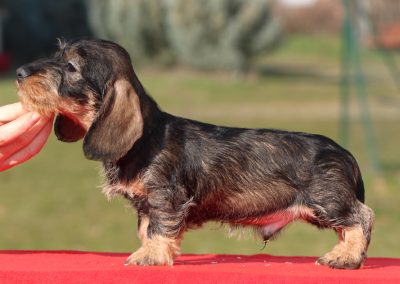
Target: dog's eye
x,y
70,67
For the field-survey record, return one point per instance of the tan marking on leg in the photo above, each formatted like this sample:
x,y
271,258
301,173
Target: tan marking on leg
x,y
350,252
144,224
157,250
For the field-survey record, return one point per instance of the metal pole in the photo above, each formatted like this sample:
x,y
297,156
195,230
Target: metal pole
x,y
363,102
345,78
351,60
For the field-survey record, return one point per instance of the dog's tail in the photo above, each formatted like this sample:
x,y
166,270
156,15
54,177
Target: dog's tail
x,y
360,192
359,183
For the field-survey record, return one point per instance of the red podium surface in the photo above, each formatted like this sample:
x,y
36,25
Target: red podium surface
x,y
94,267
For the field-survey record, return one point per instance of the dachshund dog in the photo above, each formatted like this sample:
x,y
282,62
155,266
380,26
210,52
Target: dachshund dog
x,y
180,173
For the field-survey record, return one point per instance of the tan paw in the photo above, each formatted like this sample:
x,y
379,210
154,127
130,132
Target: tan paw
x,y
145,258
341,261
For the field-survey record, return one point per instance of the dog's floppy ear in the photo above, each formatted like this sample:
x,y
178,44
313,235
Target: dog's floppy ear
x,y
67,130
118,125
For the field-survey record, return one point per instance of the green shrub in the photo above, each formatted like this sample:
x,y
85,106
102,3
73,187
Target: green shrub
x,y
208,34
138,25
220,34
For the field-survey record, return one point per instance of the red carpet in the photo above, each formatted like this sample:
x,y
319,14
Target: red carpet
x,y
86,267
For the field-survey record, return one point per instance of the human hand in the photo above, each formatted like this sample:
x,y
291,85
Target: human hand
x,y
22,134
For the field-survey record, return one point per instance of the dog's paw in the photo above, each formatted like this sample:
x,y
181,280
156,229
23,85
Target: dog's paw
x,y
145,258
340,262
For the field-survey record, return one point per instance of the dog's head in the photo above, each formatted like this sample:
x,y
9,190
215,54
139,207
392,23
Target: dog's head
x,y
92,87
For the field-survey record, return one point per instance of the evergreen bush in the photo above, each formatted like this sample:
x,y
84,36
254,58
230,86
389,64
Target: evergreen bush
x,y
221,34
208,34
138,25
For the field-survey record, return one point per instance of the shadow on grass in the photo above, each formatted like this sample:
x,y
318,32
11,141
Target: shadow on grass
x,y
298,72
390,167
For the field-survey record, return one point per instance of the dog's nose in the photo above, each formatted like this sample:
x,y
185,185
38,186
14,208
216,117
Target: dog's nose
x,y
22,73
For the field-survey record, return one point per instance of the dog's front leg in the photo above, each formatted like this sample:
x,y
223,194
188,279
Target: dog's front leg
x,y
160,234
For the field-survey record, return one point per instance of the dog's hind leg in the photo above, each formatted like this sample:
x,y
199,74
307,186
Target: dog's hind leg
x,y
336,195
354,238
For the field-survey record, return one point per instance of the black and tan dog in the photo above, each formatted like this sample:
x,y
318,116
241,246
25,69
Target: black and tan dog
x,y
179,173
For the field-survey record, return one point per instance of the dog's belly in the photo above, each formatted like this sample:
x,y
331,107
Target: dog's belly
x,y
271,223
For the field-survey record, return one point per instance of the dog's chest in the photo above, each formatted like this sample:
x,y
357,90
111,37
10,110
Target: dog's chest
x,y
114,185
130,189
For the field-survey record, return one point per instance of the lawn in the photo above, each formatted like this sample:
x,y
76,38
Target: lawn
x,y
54,200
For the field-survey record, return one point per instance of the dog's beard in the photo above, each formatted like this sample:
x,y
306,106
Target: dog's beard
x,y
36,95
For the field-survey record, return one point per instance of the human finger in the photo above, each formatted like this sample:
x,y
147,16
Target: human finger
x,y
13,129
23,140
11,112
30,150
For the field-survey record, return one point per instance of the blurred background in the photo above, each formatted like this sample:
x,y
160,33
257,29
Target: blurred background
x,y
320,66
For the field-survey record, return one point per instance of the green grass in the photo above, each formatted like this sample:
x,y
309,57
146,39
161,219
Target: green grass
x,y
54,201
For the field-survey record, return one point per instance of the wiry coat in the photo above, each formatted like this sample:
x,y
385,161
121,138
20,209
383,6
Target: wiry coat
x,y
180,173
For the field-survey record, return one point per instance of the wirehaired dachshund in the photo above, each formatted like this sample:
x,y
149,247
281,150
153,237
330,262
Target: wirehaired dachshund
x,y
180,173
